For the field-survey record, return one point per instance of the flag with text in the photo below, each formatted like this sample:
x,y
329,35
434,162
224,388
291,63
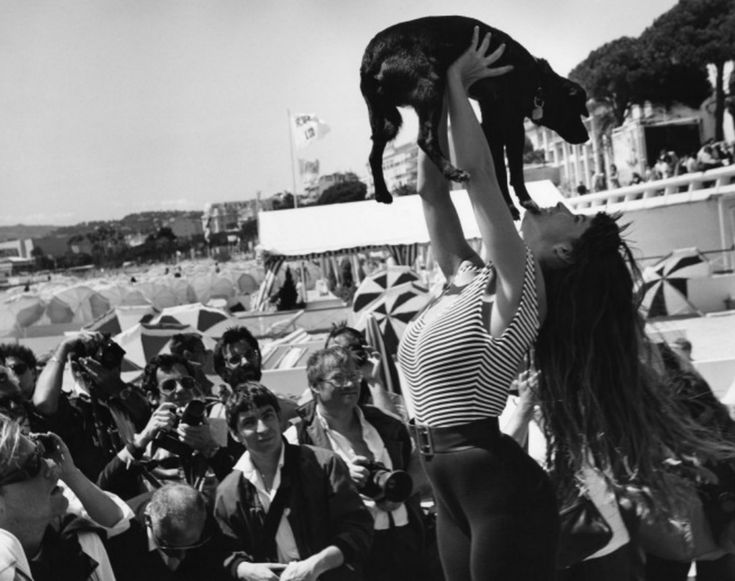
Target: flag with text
x,y
307,128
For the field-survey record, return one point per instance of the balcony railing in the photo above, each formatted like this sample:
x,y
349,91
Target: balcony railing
x,y
690,187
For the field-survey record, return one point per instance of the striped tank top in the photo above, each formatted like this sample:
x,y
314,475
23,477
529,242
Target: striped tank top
x,y
455,371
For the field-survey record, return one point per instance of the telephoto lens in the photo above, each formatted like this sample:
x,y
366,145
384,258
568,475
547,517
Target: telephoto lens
x,y
384,484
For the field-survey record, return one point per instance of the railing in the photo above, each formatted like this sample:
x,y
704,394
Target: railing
x,y
690,187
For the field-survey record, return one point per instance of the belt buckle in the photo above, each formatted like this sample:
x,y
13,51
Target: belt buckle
x,y
424,441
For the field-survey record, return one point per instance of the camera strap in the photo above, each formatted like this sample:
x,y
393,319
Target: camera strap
x,y
266,549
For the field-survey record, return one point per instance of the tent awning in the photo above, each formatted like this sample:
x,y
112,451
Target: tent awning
x,y
368,224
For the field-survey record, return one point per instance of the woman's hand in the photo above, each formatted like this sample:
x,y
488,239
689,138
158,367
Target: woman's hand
x,y
474,64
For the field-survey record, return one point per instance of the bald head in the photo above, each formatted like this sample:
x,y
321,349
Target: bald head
x,y
177,514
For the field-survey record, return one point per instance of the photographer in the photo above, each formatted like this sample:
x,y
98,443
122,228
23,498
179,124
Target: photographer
x,y
368,363
374,445
102,413
180,442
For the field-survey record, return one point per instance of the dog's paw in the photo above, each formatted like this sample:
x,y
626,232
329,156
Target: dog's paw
x,y
383,197
515,214
456,175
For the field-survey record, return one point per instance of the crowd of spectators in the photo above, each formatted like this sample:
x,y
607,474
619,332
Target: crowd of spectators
x,y
668,164
193,475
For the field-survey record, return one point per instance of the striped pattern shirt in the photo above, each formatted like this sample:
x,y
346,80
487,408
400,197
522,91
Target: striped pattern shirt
x,y
456,372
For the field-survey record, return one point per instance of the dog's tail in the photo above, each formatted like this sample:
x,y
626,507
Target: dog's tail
x,y
385,118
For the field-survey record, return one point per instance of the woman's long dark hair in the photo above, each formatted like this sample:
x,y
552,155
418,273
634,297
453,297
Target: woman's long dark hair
x,y
602,401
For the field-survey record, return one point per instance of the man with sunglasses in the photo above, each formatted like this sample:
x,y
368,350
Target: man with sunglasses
x,y
172,537
58,541
172,446
237,359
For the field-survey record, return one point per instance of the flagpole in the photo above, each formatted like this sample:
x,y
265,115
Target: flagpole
x,y
293,161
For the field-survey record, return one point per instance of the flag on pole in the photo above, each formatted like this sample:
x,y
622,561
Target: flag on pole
x,y
307,127
309,171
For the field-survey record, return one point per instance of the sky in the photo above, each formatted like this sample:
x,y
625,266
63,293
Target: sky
x,y
109,107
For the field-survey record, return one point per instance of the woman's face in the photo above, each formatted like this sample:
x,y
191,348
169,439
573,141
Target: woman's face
x,y
547,231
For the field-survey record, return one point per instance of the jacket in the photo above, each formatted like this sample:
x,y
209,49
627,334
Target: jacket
x,y
324,509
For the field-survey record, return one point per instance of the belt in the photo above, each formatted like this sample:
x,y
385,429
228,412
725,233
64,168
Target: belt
x,y
433,440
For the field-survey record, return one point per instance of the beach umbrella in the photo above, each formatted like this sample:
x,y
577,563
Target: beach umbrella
x,y
160,295
196,315
247,283
76,304
28,308
118,319
375,285
388,371
183,291
393,310
144,341
8,323
665,284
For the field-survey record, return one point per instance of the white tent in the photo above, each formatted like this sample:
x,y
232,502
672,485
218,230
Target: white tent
x,y
317,229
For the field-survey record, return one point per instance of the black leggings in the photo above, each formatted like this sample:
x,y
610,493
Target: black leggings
x,y
496,514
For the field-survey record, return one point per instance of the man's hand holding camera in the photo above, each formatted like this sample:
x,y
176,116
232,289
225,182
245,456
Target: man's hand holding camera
x,y
198,437
164,418
359,470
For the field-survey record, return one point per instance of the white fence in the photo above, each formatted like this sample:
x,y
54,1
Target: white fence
x,y
690,187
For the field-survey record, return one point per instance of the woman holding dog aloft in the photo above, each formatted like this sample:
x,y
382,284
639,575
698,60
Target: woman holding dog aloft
x,y
568,280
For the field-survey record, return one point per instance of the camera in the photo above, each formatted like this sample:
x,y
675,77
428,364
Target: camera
x,y
105,351
192,414
384,484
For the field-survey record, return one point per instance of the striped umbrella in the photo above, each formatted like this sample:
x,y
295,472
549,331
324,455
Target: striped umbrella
x,y
116,320
144,341
393,310
665,284
196,315
388,371
375,285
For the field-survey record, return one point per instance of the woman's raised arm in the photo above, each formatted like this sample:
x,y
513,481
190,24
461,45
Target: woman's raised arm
x,y
448,243
502,241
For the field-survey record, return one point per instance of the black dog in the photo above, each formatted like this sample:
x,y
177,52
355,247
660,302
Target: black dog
x,y
406,64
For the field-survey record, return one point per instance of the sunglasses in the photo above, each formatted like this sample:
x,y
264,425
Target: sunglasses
x,y
167,548
18,368
169,385
44,447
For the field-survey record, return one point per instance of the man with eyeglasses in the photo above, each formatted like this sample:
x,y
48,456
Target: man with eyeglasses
x,y
41,536
179,443
363,435
172,537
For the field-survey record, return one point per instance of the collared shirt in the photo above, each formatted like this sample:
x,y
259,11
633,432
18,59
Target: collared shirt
x,y
13,561
285,540
343,448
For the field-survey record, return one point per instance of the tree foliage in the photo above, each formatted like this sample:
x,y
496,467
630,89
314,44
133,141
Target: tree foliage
x,y
628,71
349,191
697,33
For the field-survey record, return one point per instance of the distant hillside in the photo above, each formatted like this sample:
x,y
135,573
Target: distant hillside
x,y
20,231
142,222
